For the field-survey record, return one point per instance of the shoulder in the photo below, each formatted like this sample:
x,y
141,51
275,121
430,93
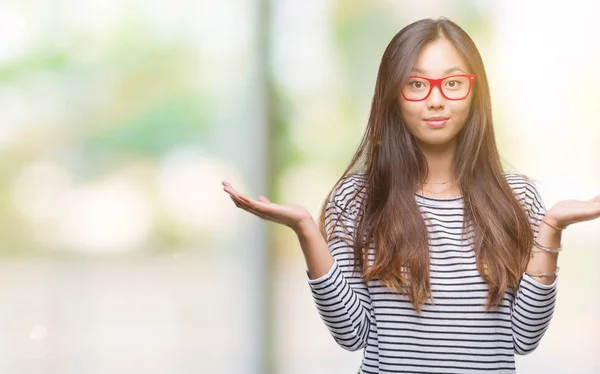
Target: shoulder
x,y
349,189
525,190
521,184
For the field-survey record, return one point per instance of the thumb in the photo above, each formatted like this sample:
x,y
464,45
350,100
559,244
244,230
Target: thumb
x,y
265,200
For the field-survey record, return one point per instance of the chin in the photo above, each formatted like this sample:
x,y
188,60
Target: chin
x,y
436,141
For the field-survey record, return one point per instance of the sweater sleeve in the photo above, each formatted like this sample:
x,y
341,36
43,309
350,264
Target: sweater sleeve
x,y
341,296
534,302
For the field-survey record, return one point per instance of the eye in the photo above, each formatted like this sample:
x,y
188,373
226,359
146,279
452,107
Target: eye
x,y
416,84
453,84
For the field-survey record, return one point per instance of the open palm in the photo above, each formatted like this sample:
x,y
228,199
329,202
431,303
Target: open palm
x,y
568,212
292,216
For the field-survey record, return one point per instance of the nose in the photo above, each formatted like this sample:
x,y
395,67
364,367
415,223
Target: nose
x,y
436,100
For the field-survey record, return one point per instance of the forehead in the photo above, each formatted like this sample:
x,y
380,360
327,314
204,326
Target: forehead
x,y
439,58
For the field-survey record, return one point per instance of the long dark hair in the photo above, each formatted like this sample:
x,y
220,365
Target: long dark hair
x,y
393,165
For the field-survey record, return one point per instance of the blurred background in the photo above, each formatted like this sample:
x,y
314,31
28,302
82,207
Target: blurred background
x,y
119,251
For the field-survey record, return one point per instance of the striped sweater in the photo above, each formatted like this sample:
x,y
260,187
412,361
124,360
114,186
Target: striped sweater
x,y
452,335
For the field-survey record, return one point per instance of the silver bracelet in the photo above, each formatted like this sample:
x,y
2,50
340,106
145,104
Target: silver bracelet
x,y
546,248
545,275
533,252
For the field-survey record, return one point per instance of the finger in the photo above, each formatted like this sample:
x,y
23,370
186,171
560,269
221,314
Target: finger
x,y
257,206
591,211
236,194
263,199
240,203
227,185
244,206
245,202
596,199
248,209
594,207
229,189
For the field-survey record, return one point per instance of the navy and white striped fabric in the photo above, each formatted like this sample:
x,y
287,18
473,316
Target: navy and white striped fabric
x,y
452,335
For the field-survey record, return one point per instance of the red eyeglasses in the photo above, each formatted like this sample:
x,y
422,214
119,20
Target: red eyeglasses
x,y
454,87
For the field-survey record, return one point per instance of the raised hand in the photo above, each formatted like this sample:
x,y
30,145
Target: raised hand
x,y
568,212
293,216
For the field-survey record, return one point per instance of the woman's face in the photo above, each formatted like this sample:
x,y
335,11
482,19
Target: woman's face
x,y
436,120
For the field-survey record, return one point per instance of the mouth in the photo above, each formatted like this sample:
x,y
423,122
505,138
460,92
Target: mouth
x,y
436,122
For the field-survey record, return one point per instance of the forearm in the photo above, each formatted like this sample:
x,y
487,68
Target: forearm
x,y
315,249
341,297
532,312
534,303
543,261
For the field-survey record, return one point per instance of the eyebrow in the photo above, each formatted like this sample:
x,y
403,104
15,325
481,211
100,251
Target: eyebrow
x,y
454,69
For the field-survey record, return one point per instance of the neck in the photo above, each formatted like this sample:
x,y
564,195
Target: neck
x,y
439,163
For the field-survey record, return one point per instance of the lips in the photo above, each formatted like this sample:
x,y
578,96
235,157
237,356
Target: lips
x,y
436,122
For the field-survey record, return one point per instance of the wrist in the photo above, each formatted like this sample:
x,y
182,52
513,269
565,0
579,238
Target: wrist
x,y
305,227
548,236
551,221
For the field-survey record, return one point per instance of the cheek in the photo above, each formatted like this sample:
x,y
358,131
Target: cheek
x,y
410,111
460,109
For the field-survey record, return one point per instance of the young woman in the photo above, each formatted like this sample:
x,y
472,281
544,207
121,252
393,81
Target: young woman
x,y
430,257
